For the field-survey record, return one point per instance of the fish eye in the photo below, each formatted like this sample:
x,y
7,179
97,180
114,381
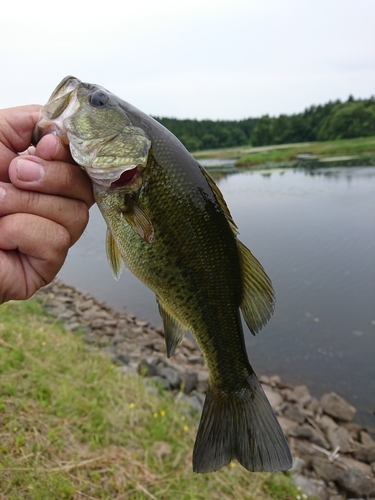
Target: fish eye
x,y
98,99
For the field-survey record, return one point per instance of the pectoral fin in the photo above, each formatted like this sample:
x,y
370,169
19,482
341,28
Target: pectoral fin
x,y
174,330
258,298
137,218
113,255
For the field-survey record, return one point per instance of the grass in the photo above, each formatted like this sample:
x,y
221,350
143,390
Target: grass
x,y
248,156
72,427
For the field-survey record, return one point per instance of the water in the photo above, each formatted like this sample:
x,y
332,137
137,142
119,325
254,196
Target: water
x,y
314,233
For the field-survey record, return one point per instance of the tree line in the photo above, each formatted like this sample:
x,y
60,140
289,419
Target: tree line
x,y
334,120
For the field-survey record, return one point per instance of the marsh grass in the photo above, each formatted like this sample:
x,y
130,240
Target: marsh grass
x,y
72,427
248,156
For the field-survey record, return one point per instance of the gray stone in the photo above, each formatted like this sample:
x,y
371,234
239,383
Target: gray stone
x,y
366,439
310,487
159,382
364,453
286,424
196,402
324,469
348,462
336,406
325,422
146,369
307,432
295,413
355,481
314,405
298,465
273,397
300,394
171,375
123,358
190,382
341,438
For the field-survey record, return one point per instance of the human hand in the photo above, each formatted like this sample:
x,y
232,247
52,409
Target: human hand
x,y
44,202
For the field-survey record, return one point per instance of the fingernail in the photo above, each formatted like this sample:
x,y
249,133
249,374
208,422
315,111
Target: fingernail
x,y
2,193
29,171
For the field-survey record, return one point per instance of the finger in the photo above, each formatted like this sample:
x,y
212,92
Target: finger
x,y
17,125
51,177
69,213
50,147
35,251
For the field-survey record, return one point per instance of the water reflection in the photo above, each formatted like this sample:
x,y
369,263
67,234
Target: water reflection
x,y
314,233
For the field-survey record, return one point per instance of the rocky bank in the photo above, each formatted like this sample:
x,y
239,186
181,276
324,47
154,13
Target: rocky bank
x,y
334,458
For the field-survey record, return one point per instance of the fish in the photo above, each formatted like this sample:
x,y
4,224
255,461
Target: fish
x,y
168,222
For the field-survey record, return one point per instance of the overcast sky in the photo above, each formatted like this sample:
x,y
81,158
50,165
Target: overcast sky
x,y
195,58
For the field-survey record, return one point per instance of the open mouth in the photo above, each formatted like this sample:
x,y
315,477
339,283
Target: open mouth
x,y
124,179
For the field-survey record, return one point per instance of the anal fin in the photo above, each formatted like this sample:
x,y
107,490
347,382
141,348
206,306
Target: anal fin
x,y
174,329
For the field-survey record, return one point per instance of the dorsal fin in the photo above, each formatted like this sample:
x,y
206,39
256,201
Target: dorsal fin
x,y
174,329
258,298
220,199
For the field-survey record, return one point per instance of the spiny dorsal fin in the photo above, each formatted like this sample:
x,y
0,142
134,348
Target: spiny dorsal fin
x,y
174,330
113,255
258,298
137,218
220,199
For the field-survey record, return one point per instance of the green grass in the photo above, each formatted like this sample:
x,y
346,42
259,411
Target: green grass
x,y
347,147
72,427
248,156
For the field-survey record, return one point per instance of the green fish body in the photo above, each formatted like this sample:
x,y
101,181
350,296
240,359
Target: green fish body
x,y
168,222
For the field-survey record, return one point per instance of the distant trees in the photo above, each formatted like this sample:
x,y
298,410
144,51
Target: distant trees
x,y
334,120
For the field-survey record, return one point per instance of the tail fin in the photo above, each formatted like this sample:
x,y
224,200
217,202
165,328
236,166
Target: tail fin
x,y
240,426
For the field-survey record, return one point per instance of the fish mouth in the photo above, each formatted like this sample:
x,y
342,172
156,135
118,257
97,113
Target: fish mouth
x,y
62,103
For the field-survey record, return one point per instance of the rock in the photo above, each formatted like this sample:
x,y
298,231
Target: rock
x,y
202,385
123,358
295,413
366,439
325,470
348,462
314,405
196,402
373,468
159,382
171,375
325,422
341,438
310,487
298,465
307,432
300,394
355,481
190,382
286,424
364,453
146,369
273,397
336,406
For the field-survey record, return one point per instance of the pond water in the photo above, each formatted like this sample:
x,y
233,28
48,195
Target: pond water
x,y
314,233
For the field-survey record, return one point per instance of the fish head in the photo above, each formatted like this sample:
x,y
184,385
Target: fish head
x,y
100,134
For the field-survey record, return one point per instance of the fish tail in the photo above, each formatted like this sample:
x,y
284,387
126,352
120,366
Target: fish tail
x,y
242,426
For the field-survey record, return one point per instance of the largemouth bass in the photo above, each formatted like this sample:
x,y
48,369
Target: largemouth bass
x,y
169,223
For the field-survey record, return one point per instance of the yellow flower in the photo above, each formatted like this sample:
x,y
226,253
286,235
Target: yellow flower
x,y
43,343
131,405
162,413
155,415
186,428
232,464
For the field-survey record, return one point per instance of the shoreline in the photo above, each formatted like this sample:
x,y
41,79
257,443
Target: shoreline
x,y
332,455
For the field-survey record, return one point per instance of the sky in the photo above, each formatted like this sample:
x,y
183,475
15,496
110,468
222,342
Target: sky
x,y
197,59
